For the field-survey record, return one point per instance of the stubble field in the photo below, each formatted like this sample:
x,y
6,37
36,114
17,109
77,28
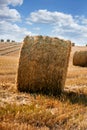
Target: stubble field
x,y
22,111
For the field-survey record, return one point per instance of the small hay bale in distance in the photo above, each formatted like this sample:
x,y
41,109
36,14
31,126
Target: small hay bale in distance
x,y
80,58
43,65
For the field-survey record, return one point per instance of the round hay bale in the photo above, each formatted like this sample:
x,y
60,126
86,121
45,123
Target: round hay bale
x,y
43,65
80,58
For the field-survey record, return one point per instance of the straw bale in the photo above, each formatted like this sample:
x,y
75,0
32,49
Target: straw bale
x,y
43,65
80,58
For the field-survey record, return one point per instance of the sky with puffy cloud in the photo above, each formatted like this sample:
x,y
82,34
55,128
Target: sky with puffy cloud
x,y
65,19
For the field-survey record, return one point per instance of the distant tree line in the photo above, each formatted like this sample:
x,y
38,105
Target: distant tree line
x,y
8,40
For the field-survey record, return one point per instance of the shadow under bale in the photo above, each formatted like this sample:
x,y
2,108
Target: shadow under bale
x,y
43,65
75,97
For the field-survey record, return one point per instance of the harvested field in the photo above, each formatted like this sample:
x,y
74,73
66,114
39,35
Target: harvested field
x,y
39,112
9,48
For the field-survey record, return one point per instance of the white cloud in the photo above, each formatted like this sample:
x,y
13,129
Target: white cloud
x,y
44,16
15,2
9,14
62,25
12,31
11,2
36,29
8,18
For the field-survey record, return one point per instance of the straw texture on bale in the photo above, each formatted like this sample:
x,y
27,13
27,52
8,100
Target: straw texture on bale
x,y
43,65
80,58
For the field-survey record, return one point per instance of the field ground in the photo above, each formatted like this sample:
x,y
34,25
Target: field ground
x,y
22,111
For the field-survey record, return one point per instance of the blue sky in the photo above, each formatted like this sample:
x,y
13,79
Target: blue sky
x,y
65,19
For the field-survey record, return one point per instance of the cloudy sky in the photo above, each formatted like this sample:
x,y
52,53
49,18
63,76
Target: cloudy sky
x,y
65,19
